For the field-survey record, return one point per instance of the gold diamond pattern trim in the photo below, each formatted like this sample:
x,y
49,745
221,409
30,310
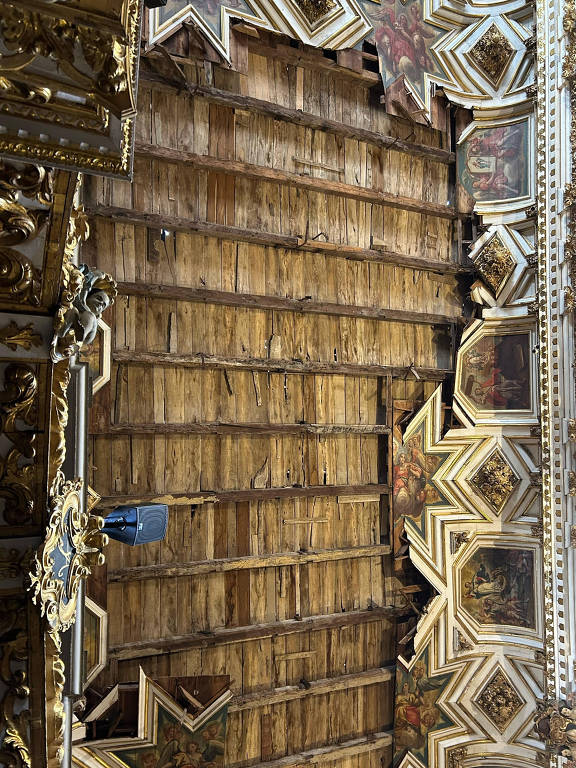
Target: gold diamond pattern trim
x,y
499,700
314,10
495,264
495,481
492,54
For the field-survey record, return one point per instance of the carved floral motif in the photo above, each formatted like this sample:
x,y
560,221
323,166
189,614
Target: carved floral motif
x,y
495,480
499,700
314,10
495,263
12,336
492,54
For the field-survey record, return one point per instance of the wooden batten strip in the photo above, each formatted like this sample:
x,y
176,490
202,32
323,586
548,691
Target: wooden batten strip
x,y
249,562
346,749
227,635
222,428
327,685
276,365
252,494
307,119
282,304
296,180
270,239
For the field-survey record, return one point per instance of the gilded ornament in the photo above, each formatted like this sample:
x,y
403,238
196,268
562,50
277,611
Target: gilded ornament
x,y
17,406
569,299
573,535
571,483
499,700
456,757
314,10
569,195
457,538
30,34
495,480
72,547
537,530
462,642
14,713
495,264
18,223
492,54
13,337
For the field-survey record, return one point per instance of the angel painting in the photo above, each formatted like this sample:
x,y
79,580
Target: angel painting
x,y
403,41
416,712
413,470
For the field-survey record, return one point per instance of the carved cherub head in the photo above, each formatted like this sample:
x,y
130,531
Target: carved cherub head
x,y
97,293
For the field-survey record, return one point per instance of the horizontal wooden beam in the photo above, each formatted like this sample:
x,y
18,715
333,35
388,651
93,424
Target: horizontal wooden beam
x,y
330,753
249,562
224,428
249,494
298,181
283,304
297,116
226,635
277,365
270,239
315,687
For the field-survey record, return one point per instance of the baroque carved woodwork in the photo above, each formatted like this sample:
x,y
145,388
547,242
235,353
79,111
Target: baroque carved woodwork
x,y
499,700
68,81
71,549
17,415
495,480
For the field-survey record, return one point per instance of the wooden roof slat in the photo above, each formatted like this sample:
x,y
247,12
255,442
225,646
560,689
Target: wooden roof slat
x,y
227,635
283,304
271,239
248,562
251,494
315,687
273,364
307,119
298,181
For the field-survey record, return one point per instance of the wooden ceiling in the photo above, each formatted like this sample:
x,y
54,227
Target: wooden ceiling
x,y
286,260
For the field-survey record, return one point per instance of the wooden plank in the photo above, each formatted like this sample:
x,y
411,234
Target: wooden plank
x,y
169,570
223,428
225,635
298,181
226,298
252,494
316,687
283,366
298,117
182,224
333,752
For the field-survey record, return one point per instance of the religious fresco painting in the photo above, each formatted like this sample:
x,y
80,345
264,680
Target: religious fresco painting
x,y
497,586
493,163
416,710
179,747
404,40
413,488
495,373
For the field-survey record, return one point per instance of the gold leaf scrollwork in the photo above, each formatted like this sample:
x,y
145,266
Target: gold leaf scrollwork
x,y
17,406
14,714
74,538
29,34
